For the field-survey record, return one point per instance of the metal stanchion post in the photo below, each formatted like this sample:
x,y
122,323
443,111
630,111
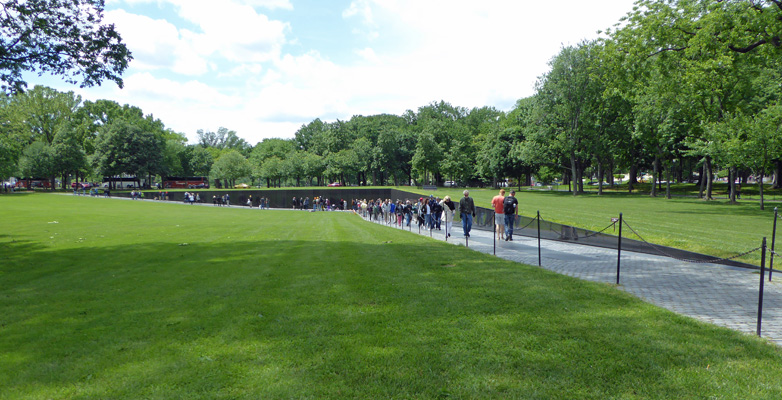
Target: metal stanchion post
x,y
762,279
540,264
773,240
619,250
495,235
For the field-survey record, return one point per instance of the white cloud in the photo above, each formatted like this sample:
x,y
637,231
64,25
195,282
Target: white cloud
x,y
362,9
232,67
476,53
369,55
271,4
242,70
233,30
268,4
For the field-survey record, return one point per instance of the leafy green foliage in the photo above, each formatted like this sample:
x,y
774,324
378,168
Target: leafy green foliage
x,y
62,37
123,147
37,161
231,166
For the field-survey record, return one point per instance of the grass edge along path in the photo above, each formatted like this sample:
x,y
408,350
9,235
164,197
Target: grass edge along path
x,y
123,299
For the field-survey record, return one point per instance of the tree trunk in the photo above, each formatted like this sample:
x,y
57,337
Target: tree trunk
x,y
777,174
611,175
599,178
633,178
574,173
762,173
702,180
668,183
709,178
732,172
655,174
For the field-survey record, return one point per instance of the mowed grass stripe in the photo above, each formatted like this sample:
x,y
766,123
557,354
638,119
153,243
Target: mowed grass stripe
x,y
265,304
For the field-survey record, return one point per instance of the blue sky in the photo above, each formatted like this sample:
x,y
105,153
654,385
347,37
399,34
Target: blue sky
x,y
265,67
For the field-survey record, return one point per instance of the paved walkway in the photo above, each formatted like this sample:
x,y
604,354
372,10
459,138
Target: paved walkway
x,y
718,294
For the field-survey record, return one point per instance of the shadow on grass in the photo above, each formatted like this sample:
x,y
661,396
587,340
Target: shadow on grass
x,y
296,318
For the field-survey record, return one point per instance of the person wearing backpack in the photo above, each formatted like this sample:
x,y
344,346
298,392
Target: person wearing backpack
x,y
499,215
510,207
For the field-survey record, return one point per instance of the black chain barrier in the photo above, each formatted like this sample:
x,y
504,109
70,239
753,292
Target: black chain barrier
x,y
588,235
530,223
666,254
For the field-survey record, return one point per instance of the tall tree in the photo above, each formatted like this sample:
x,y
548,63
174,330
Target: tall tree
x,y
69,156
125,148
37,161
224,139
231,166
567,95
43,111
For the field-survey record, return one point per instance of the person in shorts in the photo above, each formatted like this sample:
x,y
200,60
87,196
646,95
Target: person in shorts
x,y
499,214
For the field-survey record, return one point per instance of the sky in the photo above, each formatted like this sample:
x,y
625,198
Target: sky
x,y
264,68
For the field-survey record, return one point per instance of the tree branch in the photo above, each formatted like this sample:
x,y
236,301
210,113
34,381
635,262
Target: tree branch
x,y
774,41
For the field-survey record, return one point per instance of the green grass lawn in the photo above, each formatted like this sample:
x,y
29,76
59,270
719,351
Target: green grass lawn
x,y
117,299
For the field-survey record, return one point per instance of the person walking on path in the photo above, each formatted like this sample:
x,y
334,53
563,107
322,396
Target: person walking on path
x,y
408,212
449,209
437,213
499,214
511,209
467,212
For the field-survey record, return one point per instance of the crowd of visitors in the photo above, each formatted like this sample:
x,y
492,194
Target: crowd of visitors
x,y
430,213
318,203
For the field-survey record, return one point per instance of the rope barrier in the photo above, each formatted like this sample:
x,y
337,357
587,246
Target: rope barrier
x,y
666,254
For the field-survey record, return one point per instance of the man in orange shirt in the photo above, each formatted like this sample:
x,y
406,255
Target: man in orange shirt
x,y
499,214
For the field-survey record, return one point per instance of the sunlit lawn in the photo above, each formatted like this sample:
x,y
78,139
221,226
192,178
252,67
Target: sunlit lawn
x,y
118,299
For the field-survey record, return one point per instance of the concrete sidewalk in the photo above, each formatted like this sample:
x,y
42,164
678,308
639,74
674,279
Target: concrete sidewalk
x,y
718,294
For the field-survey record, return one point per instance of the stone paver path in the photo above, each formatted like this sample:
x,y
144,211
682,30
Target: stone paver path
x,y
718,294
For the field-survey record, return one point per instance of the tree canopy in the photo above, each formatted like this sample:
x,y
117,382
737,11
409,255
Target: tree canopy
x,y
62,37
